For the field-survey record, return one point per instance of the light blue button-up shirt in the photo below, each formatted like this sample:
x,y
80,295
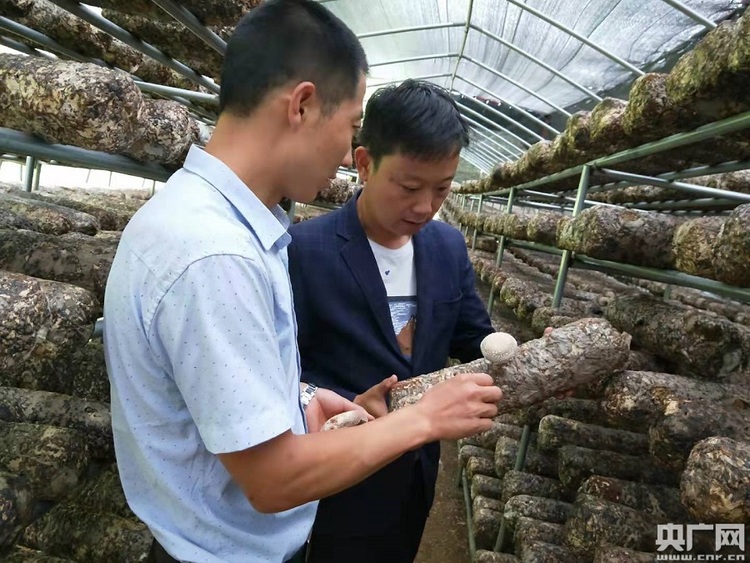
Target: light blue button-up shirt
x,y
200,343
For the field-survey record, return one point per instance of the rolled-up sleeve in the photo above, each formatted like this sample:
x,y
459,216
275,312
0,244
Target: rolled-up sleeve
x,y
215,328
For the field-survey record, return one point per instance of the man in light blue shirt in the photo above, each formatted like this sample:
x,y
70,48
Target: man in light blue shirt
x,y
216,451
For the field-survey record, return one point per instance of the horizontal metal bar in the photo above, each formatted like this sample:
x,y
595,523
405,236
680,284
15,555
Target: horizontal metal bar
x,y
486,91
480,157
578,36
186,18
49,44
522,87
690,188
488,150
688,11
10,43
664,276
22,143
412,59
521,150
685,205
723,127
474,163
88,15
564,198
538,61
397,30
529,245
191,95
492,137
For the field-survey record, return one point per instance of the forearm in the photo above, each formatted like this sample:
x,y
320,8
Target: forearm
x,y
291,470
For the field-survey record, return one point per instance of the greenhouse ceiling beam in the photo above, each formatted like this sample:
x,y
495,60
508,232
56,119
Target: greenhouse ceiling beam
x,y
178,94
475,163
487,165
482,146
519,110
465,109
412,59
88,15
479,155
17,142
538,61
397,30
186,18
398,80
539,97
463,43
578,36
476,146
486,91
689,12
493,138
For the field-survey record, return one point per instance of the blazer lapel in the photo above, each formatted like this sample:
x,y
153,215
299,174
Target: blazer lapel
x,y
423,249
358,256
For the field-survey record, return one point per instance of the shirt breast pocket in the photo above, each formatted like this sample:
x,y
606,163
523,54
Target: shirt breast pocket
x,y
445,312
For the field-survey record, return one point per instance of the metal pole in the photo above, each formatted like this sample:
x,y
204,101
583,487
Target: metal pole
x,y
396,30
490,147
28,176
562,273
522,87
37,176
513,121
478,115
396,81
463,43
413,59
578,36
476,231
523,447
292,209
689,12
186,18
501,248
587,92
491,137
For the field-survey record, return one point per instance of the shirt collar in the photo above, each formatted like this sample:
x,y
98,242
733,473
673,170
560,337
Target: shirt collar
x,y
269,225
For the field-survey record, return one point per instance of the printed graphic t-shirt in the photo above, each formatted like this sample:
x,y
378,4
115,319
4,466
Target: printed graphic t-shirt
x,y
396,267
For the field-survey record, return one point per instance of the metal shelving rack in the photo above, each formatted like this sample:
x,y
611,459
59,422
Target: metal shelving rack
x,y
522,194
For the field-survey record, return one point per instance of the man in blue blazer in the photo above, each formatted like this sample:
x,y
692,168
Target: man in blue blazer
x,y
381,289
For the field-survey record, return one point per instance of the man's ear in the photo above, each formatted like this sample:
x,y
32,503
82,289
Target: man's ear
x,y
303,105
364,163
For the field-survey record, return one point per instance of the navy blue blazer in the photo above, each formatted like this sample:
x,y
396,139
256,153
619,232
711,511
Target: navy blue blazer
x,y
347,342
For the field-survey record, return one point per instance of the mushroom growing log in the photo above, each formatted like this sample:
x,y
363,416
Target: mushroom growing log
x,y
555,431
48,217
577,353
732,247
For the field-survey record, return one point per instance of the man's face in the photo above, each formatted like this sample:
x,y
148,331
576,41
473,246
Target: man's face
x,y
404,193
328,144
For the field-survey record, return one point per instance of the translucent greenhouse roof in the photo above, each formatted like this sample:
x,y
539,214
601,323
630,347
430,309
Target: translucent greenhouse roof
x,y
538,58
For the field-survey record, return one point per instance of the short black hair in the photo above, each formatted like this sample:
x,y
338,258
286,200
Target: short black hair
x,y
281,41
417,119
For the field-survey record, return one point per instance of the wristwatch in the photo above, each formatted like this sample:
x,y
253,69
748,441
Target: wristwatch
x,y
307,395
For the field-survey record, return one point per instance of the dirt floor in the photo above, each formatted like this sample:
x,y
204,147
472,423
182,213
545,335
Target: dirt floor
x,y
445,538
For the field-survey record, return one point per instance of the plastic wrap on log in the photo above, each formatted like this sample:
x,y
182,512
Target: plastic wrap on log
x,y
732,248
577,353
20,554
539,508
70,530
210,12
594,522
174,40
712,79
486,486
47,217
715,486
636,399
661,503
693,246
685,423
91,419
166,133
607,129
542,227
576,464
70,103
554,431
698,343
621,235
73,258
16,507
110,218
41,323
521,483
616,554
485,556
53,460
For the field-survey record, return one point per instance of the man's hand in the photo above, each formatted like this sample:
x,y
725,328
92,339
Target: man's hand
x,y
374,399
461,406
326,404
569,392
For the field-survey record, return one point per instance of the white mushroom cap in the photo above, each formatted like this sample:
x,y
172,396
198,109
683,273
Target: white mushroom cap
x,y
498,347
